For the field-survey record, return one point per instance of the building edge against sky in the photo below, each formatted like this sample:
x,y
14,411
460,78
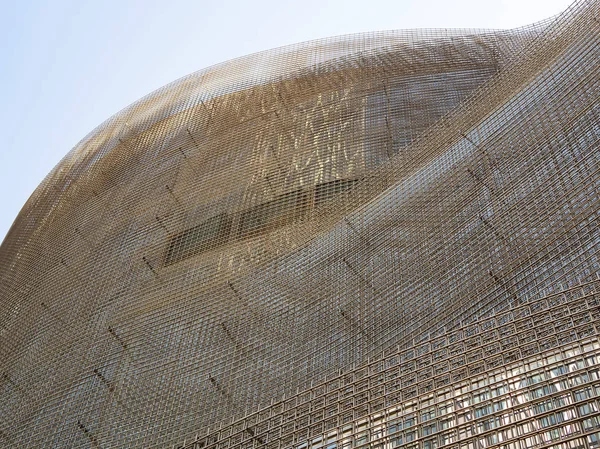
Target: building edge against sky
x,y
378,240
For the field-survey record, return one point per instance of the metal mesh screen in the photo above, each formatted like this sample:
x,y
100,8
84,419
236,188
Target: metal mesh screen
x,y
379,240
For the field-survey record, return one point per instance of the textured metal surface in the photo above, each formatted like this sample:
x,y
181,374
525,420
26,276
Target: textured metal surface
x,y
366,241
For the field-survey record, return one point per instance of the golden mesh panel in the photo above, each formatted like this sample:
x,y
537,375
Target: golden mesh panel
x,y
381,240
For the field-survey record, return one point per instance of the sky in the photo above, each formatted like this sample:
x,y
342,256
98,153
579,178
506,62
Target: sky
x,y
66,66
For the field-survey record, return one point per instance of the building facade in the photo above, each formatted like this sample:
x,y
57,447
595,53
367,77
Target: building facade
x,y
380,240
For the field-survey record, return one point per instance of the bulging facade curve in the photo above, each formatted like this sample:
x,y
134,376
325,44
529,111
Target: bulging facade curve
x,y
378,240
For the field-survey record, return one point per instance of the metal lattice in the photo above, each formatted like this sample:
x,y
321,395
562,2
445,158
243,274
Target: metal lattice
x,y
380,240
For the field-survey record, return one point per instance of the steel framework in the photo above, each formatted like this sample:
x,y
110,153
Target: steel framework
x,y
378,240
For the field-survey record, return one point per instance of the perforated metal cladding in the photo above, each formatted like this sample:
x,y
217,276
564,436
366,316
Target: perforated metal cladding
x,y
367,241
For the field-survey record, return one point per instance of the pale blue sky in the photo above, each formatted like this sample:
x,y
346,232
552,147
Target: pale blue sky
x,y
66,66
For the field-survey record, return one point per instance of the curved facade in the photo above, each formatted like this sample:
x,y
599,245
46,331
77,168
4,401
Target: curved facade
x,y
378,240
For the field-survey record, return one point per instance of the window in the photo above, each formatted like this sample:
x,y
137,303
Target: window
x,y
207,235
282,210
329,190
273,214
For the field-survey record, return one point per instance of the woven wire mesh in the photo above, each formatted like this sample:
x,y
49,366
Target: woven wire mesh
x,y
379,240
